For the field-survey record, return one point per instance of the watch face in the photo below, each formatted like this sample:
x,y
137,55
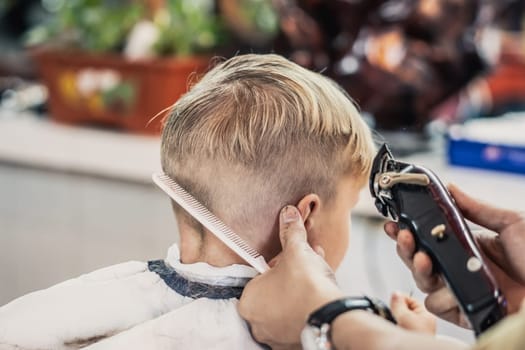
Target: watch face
x,y
313,339
309,337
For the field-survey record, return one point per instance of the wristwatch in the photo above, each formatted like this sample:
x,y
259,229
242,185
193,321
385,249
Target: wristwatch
x,y
316,334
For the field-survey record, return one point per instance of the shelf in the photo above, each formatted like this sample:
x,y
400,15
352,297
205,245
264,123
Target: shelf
x,y
36,141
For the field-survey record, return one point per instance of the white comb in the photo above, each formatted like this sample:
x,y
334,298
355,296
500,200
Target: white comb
x,y
210,221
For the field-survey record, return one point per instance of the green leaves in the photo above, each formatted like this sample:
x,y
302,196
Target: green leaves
x,y
185,26
189,26
91,25
100,25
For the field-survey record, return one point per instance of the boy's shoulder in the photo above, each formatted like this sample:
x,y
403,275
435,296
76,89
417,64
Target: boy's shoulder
x,y
202,324
115,272
96,304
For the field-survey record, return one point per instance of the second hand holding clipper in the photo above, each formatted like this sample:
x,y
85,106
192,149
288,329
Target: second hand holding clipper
x,y
415,197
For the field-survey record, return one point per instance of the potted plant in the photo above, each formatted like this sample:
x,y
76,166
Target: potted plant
x,y
120,62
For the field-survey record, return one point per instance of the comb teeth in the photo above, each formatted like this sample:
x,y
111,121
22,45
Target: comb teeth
x,y
210,221
209,216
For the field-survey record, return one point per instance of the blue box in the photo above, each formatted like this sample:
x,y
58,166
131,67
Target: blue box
x,y
464,152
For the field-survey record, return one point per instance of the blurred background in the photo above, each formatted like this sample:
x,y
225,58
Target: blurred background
x,y
84,83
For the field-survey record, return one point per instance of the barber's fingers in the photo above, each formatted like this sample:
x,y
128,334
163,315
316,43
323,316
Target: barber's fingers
x,y
492,248
443,304
502,264
406,247
457,317
292,230
418,262
410,314
483,214
399,305
422,269
402,305
441,301
401,311
391,229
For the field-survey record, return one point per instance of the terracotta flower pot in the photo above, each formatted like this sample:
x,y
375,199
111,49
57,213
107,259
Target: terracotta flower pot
x,y
112,91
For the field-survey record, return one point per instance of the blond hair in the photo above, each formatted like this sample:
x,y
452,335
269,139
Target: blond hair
x,y
258,132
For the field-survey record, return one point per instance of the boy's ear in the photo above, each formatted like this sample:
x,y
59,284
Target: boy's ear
x,y
308,206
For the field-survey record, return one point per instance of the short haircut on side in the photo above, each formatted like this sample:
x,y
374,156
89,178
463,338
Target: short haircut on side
x,y
258,132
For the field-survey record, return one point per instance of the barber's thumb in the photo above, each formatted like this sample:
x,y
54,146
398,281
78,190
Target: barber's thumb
x,y
291,226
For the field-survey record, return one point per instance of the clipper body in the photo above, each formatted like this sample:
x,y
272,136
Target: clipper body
x,y
416,198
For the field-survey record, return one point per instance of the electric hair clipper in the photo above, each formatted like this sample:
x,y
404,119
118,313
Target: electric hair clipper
x,y
416,198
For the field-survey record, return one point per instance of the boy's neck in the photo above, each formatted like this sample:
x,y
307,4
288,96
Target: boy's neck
x,y
197,247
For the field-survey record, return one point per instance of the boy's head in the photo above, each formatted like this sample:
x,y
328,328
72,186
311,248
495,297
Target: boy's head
x,y
258,132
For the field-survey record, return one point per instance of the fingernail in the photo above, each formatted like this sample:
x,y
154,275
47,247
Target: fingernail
x,y
289,214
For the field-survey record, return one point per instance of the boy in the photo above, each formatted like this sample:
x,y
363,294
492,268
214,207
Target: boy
x,y
257,132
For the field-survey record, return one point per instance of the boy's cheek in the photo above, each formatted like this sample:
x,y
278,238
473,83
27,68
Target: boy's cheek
x,y
331,255
331,230
336,248
335,260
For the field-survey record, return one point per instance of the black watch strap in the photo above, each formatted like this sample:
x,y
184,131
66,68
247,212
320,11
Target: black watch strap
x,y
327,313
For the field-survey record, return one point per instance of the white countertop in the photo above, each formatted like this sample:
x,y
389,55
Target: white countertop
x,y
29,140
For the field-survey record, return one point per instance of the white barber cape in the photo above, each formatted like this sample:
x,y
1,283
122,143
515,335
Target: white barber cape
x,y
134,305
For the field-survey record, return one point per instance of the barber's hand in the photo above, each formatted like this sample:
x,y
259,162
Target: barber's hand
x,y
277,303
504,250
411,315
